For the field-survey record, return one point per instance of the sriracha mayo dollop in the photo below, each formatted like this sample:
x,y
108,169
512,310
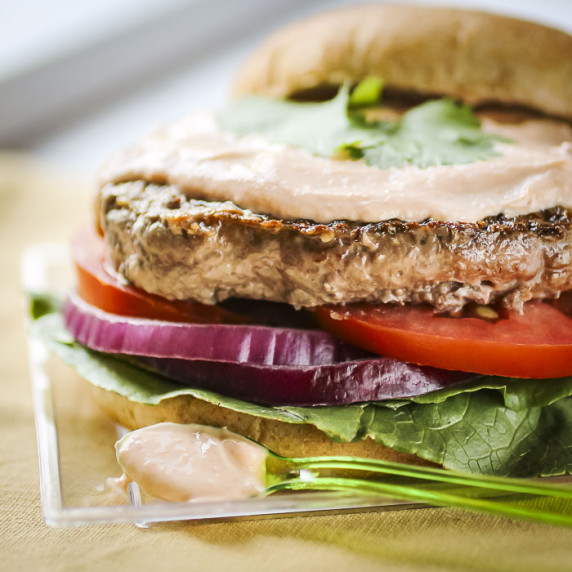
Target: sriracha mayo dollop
x,y
179,463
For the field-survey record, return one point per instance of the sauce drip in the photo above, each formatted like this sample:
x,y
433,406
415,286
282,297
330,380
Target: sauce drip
x,y
179,463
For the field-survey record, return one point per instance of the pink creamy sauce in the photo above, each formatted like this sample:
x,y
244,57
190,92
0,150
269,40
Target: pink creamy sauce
x,y
533,173
187,463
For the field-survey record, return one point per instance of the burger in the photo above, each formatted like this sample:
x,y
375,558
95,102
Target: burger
x,y
368,251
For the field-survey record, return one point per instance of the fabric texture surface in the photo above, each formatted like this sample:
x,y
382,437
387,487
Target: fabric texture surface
x,y
39,204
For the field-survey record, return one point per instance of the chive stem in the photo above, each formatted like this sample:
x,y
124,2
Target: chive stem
x,y
504,484
416,494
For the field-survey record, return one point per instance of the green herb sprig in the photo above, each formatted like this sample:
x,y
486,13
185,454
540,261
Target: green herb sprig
x,y
437,132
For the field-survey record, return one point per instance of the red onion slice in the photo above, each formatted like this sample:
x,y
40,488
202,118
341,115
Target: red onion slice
x,y
333,384
270,366
264,345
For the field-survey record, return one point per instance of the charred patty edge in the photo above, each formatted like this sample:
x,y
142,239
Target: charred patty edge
x,y
179,247
555,221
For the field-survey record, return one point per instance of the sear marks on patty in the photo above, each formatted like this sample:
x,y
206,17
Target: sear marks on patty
x,y
182,248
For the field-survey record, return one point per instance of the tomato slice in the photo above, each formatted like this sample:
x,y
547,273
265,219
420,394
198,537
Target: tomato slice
x,y
108,292
534,344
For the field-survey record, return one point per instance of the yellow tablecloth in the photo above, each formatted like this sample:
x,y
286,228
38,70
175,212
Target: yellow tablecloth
x,y
40,204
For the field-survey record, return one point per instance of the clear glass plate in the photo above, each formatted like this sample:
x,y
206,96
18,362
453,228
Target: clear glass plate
x,y
76,443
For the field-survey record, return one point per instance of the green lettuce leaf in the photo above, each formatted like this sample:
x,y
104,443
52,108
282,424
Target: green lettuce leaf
x,y
40,304
476,432
492,425
518,394
440,132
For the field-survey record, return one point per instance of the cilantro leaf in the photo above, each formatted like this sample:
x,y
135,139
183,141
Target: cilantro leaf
x,y
440,132
321,128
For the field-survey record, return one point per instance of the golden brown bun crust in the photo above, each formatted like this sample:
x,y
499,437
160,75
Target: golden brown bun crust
x,y
473,56
288,439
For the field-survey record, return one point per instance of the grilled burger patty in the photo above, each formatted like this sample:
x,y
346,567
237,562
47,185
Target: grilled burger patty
x,y
182,248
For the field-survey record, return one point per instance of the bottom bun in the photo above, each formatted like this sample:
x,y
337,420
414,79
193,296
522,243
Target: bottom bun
x,y
287,439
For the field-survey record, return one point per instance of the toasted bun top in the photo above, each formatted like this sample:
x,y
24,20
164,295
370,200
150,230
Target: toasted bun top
x,y
472,56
